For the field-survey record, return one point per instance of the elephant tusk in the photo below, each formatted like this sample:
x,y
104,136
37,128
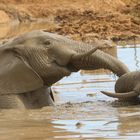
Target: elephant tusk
x,y
79,56
121,95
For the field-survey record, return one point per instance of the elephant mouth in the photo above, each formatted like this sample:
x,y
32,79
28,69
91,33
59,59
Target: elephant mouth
x,y
78,58
74,57
72,67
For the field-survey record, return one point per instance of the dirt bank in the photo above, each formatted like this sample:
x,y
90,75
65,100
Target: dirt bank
x,y
81,20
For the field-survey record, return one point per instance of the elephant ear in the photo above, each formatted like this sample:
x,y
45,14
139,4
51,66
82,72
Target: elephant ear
x,y
16,76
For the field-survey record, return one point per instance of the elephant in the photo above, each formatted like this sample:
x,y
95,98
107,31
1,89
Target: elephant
x,y
32,62
127,87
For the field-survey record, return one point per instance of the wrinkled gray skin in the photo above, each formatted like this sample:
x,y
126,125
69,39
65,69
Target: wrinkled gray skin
x,y
32,62
127,87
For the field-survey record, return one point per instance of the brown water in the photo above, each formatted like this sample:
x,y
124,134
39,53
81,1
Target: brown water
x,y
81,112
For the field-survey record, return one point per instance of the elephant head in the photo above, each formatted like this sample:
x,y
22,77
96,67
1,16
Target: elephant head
x,y
127,87
39,58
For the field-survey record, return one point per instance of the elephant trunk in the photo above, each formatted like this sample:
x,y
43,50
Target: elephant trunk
x,y
78,57
97,60
100,60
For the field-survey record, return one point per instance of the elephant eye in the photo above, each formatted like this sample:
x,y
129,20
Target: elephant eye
x,y
47,42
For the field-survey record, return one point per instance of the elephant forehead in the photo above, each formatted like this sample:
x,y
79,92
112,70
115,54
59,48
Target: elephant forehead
x,y
36,38
127,82
135,75
63,40
40,35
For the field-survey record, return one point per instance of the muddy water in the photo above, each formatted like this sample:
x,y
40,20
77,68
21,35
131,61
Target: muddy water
x,y
81,112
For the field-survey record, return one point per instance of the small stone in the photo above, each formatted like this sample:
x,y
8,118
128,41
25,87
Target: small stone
x,y
78,125
90,95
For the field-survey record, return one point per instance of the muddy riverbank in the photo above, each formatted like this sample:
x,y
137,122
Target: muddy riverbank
x,y
80,20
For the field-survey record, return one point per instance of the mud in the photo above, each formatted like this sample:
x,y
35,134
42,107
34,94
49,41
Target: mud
x,y
80,20
88,25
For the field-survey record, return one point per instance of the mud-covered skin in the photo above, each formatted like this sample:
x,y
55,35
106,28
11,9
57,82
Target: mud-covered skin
x,y
31,100
127,87
38,59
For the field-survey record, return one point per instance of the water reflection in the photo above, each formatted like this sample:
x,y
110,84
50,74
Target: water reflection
x,y
129,121
29,129
87,126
